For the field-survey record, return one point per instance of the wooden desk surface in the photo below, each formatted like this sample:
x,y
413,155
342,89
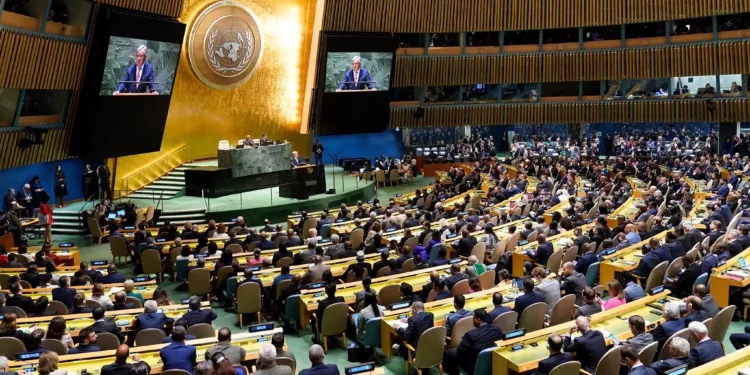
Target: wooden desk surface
x,y
505,359
721,284
559,242
93,362
110,313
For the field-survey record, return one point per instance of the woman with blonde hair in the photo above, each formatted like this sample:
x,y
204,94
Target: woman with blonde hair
x,y
48,364
97,295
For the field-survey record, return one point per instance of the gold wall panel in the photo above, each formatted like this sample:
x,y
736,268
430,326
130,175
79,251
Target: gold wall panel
x,y
414,16
554,113
54,148
170,8
270,102
39,62
623,64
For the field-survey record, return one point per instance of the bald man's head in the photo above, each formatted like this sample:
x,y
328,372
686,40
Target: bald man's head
x,y
434,275
122,354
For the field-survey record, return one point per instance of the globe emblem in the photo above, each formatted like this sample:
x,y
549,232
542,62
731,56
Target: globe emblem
x,y
229,50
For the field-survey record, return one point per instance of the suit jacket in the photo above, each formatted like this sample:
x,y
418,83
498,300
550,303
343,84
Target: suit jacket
x,y
114,278
454,279
22,302
665,365
542,253
321,369
107,327
589,348
147,75
348,82
642,370
417,324
328,301
641,340
735,247
497,311
706,351
32,278
452,319
574,284
666,330
695,316
710,306
152,320
199,316
647,264
473,342
117,369
554,360
64,295
585,261
526,300
466,244
179,356
686,280
316,271
588,309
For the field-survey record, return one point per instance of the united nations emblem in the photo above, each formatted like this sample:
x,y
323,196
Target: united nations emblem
x,y
226,45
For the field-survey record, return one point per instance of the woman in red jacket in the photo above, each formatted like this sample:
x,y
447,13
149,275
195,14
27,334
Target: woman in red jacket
x,y
46,211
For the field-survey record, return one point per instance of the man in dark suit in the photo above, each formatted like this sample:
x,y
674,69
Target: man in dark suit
x,y
529,297
79,305
707,350
296,161
383,262
88,271
178,355
466,243
679,350
324,220
87,338
121,365
695,312
360,264
234,240
572,282
12,262
112,276
317,319
714,214
483,336
32,276
581,238
19,300
120,302
417,323
629,357
589,347
151,318
316,356
543,251
196,315
139,77
556,357
682,285
264,244
105,326
358,78
292,289
456,276
672,324
497,301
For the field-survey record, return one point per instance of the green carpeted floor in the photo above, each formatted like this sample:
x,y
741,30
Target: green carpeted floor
x,y
298,344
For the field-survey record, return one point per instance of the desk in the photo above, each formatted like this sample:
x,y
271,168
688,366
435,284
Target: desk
x,y
145,289
505,360
559,242
628,209
722,284
624,260
256,160
76,322
93,362
310,298
68,255
61,270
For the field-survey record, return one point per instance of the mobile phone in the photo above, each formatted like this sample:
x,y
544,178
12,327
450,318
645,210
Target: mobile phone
x,y
533,344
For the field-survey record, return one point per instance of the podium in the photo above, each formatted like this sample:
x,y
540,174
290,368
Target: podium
x,y
304,181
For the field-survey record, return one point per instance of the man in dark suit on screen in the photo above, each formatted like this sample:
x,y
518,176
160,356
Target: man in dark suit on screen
x,y
137,73
358,78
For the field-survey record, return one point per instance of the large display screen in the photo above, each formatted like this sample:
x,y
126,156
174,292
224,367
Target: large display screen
x,y
139,66
127,87
353,83
358,71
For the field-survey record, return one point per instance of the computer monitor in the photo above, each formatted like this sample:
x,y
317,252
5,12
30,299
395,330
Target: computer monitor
x,y
121,213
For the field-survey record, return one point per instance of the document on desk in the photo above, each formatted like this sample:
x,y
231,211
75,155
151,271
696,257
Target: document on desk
x,y
400,324
116,289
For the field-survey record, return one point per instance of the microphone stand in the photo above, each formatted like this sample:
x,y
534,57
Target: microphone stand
x,y
334,158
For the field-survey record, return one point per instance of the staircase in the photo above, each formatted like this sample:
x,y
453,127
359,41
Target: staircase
x,y
167,186
193,215
68,221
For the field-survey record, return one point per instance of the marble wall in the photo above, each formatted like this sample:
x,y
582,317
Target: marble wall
x,y
252,161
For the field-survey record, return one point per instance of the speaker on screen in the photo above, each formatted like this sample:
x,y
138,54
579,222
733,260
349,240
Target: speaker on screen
x,y
353,83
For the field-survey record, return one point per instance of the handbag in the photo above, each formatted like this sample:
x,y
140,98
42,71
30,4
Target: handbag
x,y
43,219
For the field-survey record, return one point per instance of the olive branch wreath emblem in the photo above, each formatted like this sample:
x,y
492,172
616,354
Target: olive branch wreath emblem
x,y
247,38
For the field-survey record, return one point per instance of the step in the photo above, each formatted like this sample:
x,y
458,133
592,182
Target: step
x,y
183,168
67,219
182,217
188,210
67,231
176,173
169,177
193,165
197,221
164,186
69,225
164,182
159,191
138,195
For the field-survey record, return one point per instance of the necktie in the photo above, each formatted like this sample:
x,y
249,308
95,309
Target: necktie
x,y
356,77
138,76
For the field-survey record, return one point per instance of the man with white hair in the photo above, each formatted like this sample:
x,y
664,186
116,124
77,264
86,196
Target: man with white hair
x,y
358,78
672,324
678,349
151,318
4,367
589,347
139,72
266,363
707,350
317,355
296,162
335,248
